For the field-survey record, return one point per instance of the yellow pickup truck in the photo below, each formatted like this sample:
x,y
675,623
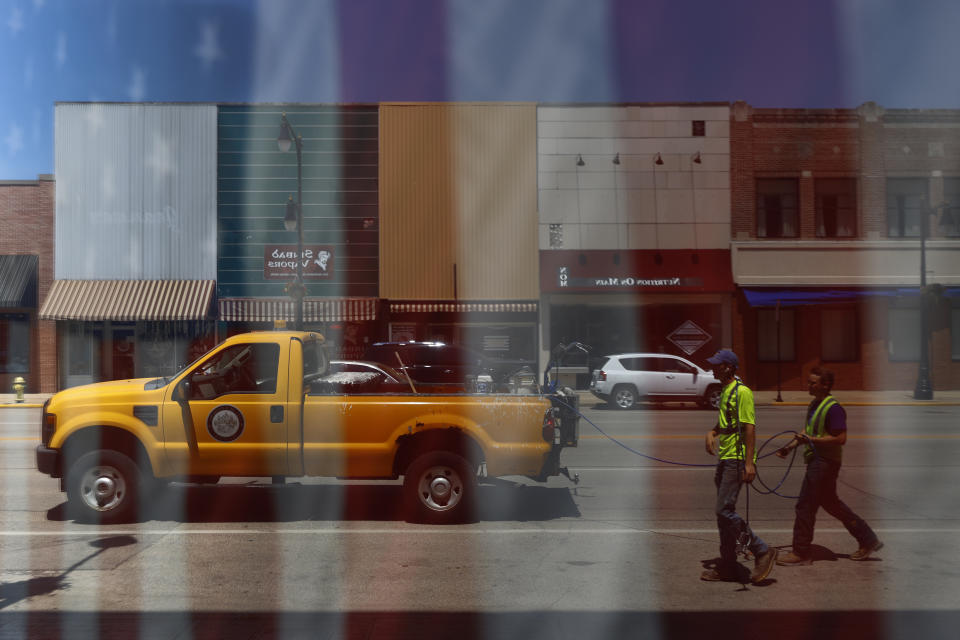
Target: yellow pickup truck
x,y
264,404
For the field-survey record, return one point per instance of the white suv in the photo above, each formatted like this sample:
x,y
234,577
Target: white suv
x,y
627,377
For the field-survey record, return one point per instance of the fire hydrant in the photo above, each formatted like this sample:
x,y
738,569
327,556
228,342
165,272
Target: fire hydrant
x,y
19,385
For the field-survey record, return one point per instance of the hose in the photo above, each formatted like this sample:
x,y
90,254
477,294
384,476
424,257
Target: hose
x,y
767,490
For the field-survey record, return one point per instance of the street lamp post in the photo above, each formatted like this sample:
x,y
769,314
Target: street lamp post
x,y
293,219
924,389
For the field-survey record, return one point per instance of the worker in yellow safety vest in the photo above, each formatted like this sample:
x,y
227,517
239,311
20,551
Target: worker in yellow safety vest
x,y
732,440
824,435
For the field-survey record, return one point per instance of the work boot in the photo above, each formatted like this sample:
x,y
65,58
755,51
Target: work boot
x,y
865,550
716,575
793,559
763,565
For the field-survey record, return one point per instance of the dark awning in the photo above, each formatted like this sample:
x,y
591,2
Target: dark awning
x,y
128,300
801,297
448,306
17,273
314,309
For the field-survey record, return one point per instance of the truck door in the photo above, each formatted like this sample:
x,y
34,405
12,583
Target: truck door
x,y
234,419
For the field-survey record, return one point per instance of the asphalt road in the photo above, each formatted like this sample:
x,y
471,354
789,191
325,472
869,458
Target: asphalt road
x,y
618,555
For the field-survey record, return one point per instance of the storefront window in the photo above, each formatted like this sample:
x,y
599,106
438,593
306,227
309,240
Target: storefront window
x,y
838,335
955,333
903,334
14,343
767,335
163,348
80,354
505,343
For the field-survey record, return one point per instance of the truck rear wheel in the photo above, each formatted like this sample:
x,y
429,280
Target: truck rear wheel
x,y
102,487
438,488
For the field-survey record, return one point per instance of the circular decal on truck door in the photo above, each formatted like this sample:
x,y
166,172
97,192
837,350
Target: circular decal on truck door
x,y
225,423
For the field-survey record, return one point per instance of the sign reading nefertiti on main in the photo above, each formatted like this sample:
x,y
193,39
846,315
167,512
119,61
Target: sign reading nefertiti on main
x,y
280,262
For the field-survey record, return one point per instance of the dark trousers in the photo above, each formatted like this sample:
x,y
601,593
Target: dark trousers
x,y
820,490
727,479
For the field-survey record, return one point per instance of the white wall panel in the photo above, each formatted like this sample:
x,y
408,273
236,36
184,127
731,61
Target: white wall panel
x,y
602,191
136,191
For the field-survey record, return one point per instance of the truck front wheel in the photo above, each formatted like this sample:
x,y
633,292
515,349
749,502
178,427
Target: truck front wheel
x,y
102,487
438,488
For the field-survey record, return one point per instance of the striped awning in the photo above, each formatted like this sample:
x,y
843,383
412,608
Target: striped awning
x,y
463,307
16,274
128,300
314,309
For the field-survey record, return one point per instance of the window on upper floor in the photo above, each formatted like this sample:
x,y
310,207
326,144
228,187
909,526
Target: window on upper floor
x,y
777,206
905,197
950,216
836,202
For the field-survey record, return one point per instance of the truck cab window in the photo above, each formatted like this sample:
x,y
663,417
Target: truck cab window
x,y
242,368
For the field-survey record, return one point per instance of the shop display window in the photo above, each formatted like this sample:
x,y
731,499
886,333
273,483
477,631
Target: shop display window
x,y
767,335
903,334
14,343
839,337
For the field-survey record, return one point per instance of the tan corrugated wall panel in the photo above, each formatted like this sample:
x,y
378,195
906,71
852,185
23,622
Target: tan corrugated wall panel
x,y
458,186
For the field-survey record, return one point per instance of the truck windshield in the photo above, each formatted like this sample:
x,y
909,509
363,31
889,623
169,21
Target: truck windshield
x,y
156,383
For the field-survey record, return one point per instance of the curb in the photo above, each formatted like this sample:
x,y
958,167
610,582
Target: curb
x,y
922,403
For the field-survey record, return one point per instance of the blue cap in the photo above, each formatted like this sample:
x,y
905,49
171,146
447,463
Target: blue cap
x,y
724,356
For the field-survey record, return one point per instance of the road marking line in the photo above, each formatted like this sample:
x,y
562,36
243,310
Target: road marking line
x,y
418,530
866,436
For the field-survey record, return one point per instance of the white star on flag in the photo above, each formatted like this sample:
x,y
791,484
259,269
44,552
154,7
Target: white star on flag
x,y
61,54
15,21
209,48
138,85
14,139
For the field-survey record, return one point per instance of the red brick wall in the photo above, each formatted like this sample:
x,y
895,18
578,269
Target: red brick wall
x,y
868,144
26,227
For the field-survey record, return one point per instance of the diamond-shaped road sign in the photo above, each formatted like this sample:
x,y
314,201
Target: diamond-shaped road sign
x,y
689,337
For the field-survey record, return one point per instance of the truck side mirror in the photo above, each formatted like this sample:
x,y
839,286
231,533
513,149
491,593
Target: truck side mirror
x,y
181,392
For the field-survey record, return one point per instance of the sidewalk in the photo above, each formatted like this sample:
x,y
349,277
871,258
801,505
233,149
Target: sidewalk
x,y
763,398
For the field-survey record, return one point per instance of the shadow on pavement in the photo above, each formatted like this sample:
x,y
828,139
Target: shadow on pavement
x,y
648,406
13,592
295,502
468,625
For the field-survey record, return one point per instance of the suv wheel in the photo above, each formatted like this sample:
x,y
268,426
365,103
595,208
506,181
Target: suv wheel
x,y
711,398
624,396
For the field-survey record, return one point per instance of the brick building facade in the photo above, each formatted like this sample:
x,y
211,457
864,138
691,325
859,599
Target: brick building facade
x,y
26,249
827,214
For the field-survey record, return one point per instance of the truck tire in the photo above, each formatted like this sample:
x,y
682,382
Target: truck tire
x,y
624,396
438,488
103,487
